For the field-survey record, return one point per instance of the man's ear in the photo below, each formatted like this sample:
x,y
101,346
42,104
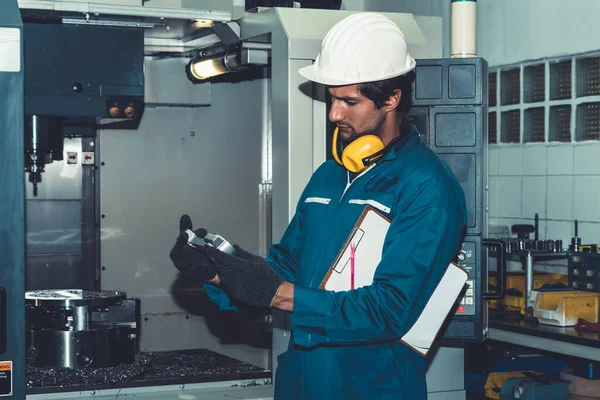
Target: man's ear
x,y
393,101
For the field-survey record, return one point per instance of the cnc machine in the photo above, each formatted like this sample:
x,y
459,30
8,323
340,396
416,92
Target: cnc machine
x,y
126,115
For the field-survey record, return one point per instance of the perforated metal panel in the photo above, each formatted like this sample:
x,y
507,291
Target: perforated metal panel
x,y
534,125
535,83
492,88
560,124
560,80
510,85
588,76
511,126
588,122
492,131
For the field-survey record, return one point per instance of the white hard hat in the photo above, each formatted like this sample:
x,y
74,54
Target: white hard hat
x,y
363,47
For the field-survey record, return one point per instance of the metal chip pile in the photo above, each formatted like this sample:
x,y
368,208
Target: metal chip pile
x,y
149,366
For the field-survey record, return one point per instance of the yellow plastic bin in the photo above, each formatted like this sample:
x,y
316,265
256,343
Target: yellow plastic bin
x,y
565,308
516,280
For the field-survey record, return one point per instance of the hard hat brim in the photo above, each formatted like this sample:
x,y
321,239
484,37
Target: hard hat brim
x,y
312,73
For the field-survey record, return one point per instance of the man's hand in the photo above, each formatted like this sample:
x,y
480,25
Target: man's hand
x,y
193,263
284,299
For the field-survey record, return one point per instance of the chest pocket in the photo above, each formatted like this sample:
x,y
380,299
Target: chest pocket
x,y
383,202
379,194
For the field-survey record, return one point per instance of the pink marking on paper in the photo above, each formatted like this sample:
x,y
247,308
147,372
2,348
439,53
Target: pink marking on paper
x,y
352,257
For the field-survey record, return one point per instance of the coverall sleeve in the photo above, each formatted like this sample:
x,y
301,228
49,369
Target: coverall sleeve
x,y
422,240
283,257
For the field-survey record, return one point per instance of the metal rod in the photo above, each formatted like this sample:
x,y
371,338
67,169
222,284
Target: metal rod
x,y
529,279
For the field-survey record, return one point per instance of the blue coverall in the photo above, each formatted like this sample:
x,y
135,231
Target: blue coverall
x,y
344,345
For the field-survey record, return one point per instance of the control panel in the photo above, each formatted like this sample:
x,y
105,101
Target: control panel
x,y
450,99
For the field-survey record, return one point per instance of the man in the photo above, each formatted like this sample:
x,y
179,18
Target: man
x,y
345,345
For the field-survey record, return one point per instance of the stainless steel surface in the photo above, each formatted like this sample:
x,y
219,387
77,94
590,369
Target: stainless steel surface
x,y
53,226
541,343
238,389
222,12
166,84
80,318
141,219
173,28
73,297
442,379
104,347
265,238
53,271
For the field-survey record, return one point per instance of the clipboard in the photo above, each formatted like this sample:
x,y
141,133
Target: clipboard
x,y
368,236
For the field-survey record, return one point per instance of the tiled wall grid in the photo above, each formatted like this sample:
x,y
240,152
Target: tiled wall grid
x,y
560,181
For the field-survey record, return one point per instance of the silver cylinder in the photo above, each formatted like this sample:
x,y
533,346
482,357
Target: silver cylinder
x,y
80,318
529,277
93,348
464,28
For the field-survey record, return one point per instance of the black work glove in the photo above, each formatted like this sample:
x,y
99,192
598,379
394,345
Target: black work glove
x,y
245,276
191,262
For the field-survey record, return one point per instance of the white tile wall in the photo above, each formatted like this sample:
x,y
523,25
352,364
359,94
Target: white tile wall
x,y
533,199
509,160
586,198
587,158
589,233
560,182
562,230
534,160
560,160
560,198
509,196
509,222
493,160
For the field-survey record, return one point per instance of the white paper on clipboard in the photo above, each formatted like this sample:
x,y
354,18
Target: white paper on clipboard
x,y
368,236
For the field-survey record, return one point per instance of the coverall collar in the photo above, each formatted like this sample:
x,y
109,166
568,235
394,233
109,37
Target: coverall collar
x,y
409,141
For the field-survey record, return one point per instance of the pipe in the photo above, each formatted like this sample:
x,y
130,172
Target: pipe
x,y
464,28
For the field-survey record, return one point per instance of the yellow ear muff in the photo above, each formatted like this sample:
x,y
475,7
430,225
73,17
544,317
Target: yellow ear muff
x,y
334,147
354,155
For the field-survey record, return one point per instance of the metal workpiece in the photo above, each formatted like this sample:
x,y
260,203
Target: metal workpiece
x,y
69,328
101,347
73,297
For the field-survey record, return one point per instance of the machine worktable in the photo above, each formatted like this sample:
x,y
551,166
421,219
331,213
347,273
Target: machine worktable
x,y
516,330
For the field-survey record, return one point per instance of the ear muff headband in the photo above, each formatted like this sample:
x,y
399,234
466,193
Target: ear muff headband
x,y
334,147
359,154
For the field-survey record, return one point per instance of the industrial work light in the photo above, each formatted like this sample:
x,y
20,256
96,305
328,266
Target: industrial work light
x,y
201,67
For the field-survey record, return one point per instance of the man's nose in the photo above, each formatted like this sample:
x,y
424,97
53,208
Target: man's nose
x,y
336,113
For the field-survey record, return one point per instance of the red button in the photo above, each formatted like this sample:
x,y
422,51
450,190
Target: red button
x,y
461,309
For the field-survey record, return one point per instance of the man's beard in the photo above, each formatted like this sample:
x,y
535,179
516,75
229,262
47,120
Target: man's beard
x,y
348,134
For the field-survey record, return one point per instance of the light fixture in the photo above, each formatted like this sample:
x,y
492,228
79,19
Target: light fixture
x,y
202,23
201,67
